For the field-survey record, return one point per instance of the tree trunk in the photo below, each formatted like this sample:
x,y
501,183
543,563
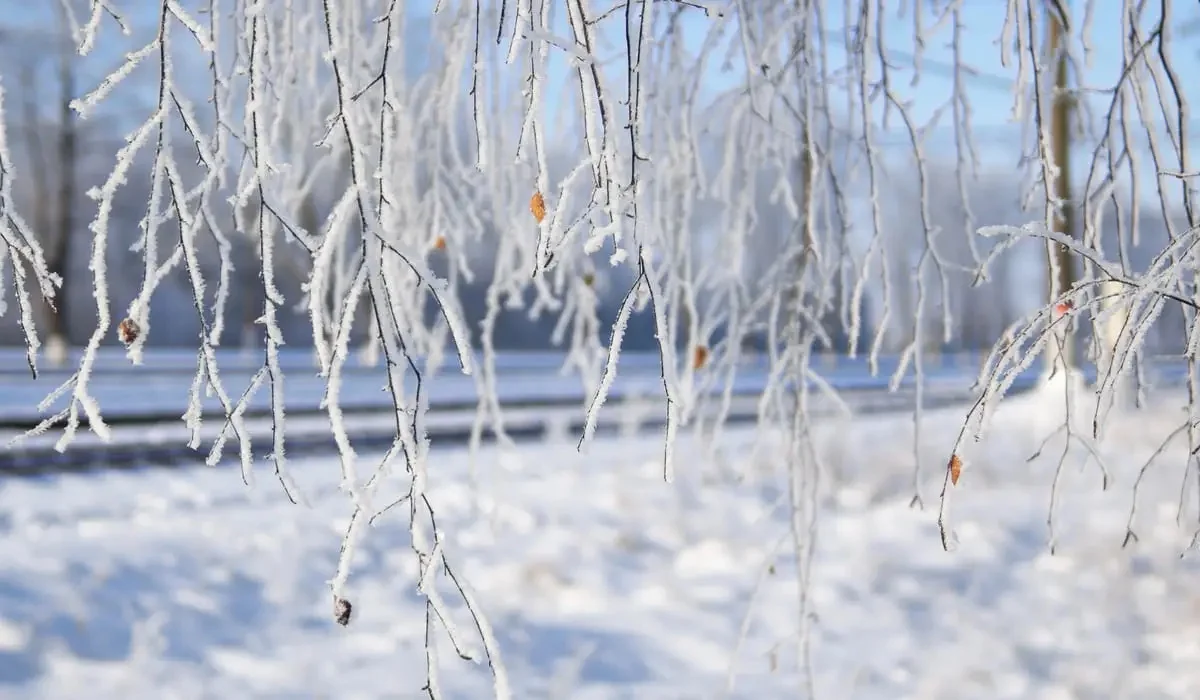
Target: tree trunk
x,y
1060,264
59,256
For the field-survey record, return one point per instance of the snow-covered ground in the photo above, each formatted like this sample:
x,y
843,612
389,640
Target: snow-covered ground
x,y
603,582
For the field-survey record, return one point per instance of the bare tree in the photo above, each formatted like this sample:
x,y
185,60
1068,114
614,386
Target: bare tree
x,y
1057,170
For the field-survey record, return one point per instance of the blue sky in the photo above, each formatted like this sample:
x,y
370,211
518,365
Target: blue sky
x,y
990,94
991,97
993,104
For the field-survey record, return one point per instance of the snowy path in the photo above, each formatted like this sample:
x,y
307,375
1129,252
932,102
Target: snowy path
x,y
603,582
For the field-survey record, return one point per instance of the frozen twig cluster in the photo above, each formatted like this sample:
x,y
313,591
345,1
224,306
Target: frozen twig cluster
x,y
21,252
586,146
250,152
1139,298
1146,111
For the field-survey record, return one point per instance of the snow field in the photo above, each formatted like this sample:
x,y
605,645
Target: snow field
x,y
603,582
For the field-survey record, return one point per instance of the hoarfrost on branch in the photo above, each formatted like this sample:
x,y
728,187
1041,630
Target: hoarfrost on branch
x,y
728,163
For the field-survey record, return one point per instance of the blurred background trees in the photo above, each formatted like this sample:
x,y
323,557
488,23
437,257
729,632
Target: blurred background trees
x,y
60,157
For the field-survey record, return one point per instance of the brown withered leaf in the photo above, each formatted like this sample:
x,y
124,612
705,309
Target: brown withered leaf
x,y
128,331
439,243
955,467
537,205
699,357
342,609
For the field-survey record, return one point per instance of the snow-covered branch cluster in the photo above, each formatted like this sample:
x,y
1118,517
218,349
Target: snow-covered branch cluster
x,y
21,252
726,166
1112,293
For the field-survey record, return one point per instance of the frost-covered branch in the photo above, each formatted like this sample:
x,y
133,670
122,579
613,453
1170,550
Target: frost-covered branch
x,y
369,164
1138,136
20,251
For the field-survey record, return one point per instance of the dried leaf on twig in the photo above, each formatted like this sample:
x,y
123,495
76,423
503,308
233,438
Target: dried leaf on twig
x,y
537,205
955,467
128,331
342,610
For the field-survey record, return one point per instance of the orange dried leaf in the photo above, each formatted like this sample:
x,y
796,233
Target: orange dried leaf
x,y
537,205
699,357
955,469
1063,307
439,243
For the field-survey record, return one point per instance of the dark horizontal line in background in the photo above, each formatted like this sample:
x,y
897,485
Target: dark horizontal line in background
x,y
42,461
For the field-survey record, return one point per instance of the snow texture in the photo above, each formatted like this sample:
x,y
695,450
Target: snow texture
x,y
601,581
